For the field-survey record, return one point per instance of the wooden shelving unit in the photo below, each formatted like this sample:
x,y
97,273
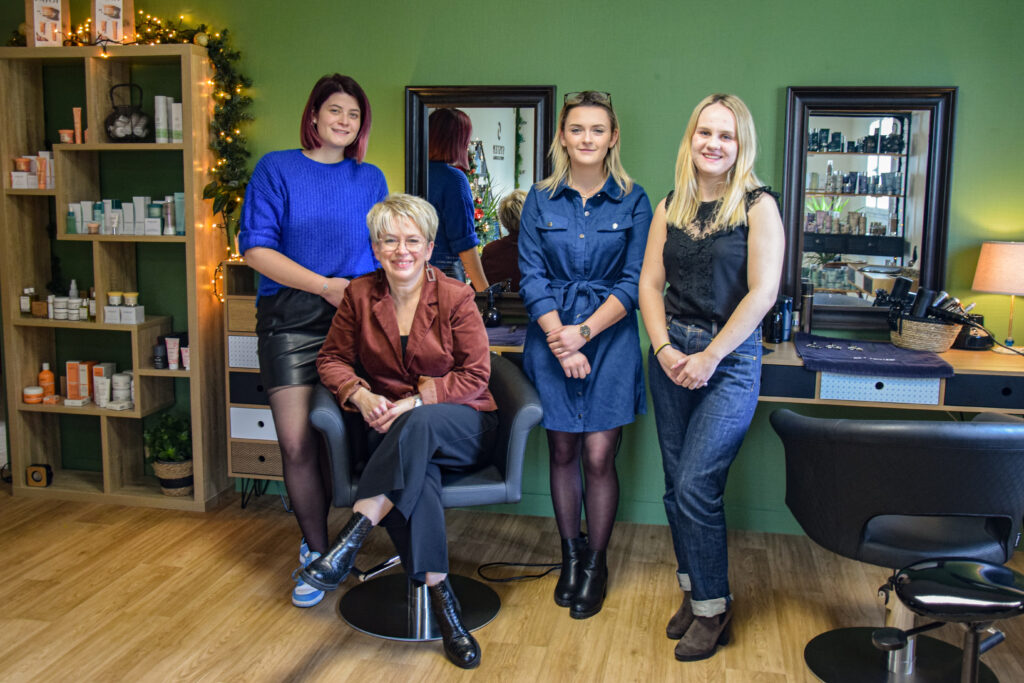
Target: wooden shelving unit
x,y
25,261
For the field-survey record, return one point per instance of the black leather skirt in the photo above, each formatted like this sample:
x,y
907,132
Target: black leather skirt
x,y
292,326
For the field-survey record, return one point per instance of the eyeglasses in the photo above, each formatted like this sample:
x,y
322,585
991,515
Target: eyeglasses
x,y
587,97
413,244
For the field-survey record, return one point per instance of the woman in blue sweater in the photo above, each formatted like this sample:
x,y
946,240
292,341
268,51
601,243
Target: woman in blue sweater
x,y
304,230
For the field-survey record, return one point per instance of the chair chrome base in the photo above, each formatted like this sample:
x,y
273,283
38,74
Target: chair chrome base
x,y
847,655
391,607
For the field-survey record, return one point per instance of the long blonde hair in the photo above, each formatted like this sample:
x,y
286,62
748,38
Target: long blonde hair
x,y
560,158
741,177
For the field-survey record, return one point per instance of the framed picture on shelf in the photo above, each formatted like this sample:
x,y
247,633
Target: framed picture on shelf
x,y
48,21
113,21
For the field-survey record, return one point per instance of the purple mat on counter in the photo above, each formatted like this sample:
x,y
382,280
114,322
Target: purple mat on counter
x,y
855,357
507,335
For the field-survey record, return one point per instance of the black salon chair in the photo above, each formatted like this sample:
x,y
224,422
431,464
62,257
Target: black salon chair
x,y
897,494
391,606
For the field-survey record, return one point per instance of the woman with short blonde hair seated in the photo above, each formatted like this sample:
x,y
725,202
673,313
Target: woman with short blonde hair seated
x,y
408,351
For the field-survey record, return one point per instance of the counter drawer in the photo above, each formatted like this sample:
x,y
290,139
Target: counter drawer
x,y
242,352
840,387
248,459
986,391
241,314
252,423
246,387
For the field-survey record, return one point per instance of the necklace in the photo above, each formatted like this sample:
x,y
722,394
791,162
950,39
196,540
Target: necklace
x,y
587,194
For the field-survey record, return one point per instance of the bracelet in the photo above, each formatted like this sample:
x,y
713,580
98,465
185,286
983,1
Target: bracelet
x,y
661,347
323,290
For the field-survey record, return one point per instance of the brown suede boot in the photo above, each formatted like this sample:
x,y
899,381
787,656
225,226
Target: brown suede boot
x,y
681,620
703,637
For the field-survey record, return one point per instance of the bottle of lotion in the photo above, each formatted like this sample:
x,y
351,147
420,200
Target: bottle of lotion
x,y
46,380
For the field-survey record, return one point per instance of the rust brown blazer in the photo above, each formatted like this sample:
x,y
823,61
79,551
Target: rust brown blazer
x,y
446,358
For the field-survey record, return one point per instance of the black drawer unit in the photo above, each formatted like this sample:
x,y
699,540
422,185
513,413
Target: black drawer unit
x,y
787,381
986,391
247,387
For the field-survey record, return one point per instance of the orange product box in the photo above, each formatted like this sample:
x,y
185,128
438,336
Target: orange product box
x,y
71,369
85,377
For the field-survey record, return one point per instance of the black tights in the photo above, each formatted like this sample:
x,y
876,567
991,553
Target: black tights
x,y
307,476
601,498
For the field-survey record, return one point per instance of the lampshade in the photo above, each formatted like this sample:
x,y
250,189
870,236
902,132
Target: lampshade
x,y
1000,268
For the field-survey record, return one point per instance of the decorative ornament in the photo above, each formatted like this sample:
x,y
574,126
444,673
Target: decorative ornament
x,y
478,214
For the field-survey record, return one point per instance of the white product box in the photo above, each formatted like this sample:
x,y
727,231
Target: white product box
x,y
153,226
133,315
112,315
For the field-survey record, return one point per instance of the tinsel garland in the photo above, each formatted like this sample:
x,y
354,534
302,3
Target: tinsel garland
x,y
230,170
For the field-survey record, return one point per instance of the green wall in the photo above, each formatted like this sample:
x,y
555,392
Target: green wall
x,y
657,58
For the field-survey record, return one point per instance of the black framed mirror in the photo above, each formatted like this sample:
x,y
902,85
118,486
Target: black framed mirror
x,y
535,103
866,195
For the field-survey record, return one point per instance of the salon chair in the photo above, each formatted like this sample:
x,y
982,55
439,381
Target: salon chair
x,y
911,495
391,606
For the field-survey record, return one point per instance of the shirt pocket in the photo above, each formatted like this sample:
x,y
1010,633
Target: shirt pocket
x,y
620,226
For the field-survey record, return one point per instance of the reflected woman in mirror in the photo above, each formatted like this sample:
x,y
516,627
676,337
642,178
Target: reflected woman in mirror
x,y
455,250
501,257
581,246
717,242
303,229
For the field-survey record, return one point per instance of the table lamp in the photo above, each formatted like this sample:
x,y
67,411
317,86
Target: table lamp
x,y
1001,271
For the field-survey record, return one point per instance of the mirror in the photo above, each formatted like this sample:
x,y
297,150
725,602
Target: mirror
x,y
866,195
512,129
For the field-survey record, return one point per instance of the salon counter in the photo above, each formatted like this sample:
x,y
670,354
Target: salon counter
x,y
984,381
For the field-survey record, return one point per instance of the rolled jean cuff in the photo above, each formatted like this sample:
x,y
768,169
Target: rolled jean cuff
x,y
709,608
684,581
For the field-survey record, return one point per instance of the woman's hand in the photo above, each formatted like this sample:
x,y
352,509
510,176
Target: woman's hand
x,y
693,371
575,364
383,423
565,340
336,287
372,406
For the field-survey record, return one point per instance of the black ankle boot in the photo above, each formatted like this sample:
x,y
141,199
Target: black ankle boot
x,y
593,585
331,568
459,645
569,580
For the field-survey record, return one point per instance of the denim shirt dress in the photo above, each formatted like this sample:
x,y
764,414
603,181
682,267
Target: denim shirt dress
x,y
572,258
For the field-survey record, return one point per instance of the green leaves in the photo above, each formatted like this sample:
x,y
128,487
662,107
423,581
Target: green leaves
x,y
170,439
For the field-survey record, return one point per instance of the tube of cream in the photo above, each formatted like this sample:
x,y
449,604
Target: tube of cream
x,y
172,352
185,358
101,386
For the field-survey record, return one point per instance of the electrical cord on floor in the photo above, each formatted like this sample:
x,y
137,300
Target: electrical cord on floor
x,y
520,577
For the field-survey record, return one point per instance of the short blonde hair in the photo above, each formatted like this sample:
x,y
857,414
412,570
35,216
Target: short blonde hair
x,y
740,180
560,158
510,209
382,217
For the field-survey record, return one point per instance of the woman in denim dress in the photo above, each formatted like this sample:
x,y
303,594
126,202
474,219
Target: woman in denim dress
x,y
581,245
717,241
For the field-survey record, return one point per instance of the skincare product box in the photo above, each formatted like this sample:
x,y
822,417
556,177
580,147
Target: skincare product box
x,y
160,119
152,226
112,315
177,133
47,23
132,315
113,20
19,180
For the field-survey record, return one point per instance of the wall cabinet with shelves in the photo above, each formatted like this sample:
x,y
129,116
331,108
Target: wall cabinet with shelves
x,y
123,262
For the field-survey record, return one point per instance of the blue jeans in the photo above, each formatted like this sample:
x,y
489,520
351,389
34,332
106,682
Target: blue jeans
x,y
700,431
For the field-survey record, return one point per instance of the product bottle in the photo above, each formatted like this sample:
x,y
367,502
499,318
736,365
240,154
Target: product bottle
x,y
46,380
73,289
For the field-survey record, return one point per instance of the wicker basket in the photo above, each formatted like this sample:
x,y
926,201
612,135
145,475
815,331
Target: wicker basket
x,y
924,334
175,477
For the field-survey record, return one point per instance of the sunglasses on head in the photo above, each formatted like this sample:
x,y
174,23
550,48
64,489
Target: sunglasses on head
x,y
587,97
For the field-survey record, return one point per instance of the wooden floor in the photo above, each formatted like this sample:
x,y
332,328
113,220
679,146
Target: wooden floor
x,y
107,593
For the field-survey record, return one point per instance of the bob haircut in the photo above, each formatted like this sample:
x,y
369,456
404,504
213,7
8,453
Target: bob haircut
x,y
560,158
449,137
385,214
740,179
322,91
510,209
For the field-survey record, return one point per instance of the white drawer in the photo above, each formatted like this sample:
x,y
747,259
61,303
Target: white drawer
x,y
921,390
252,423
242,352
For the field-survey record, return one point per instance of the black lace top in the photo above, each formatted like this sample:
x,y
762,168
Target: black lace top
x,y
707,271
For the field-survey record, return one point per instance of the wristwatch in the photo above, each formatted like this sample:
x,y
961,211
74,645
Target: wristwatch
x,y
418,401
585,332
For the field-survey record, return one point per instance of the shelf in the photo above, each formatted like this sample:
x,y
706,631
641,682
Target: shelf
x,y
79,237
120,147
93,410
151,321
857,154
154,372
821,193
33,192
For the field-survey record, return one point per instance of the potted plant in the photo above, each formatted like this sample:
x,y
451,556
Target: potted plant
x,y
169,450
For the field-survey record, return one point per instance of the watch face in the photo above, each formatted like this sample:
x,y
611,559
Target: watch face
x,y
585,332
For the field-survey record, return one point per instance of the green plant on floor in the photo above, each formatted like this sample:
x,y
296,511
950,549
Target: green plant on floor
x,y
170,439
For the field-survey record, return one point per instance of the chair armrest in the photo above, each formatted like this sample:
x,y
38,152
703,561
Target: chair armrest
x,y
325,416
519,411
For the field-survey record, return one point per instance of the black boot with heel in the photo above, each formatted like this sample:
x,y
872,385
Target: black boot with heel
x,y
593,585
568,584
330,569
460,646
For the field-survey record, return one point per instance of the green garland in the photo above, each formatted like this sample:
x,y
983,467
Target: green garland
x,y
230,171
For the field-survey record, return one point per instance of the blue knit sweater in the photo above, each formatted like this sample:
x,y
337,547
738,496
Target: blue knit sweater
x,y
313,213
